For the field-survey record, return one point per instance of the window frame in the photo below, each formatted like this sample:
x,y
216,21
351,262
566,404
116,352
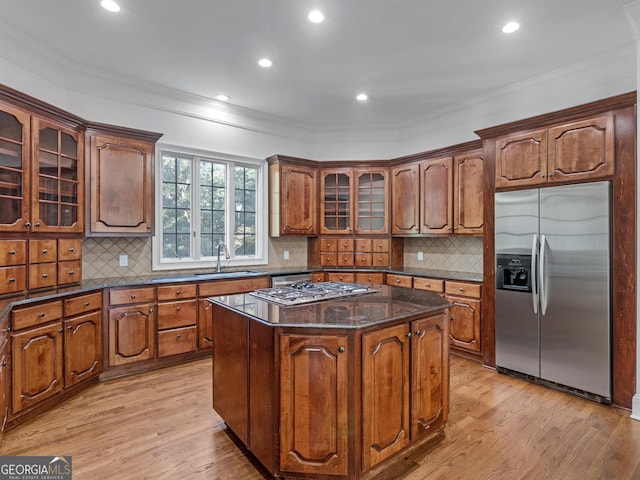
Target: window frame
x,y
262,234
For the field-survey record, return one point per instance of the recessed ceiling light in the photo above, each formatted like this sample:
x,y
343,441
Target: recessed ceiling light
x,y
511,27
316,16
362,97
222,97
265,62
110,5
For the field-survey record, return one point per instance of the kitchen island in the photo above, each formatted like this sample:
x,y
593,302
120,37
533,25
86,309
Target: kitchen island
x,y
336,388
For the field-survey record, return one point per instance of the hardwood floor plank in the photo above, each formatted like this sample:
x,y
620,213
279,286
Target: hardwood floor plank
x,y
161,425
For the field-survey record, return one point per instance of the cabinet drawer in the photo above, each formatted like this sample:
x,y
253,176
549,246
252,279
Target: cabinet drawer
x,y
380,245
132,295
69,272
318,277
380,259
341,277
345,259
43,275
328,245
329,259
13,252
345,245
364,259
363,245
377,278
177,314
399,280
462,289
431,284
13,279
82,304
227,287
69,249
178,340
36,315
43,251
176,292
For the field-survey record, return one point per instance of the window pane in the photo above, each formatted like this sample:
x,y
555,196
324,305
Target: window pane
x,y
176,207
212,206
245,207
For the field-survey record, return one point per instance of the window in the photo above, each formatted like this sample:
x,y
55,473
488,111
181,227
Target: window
x,y
205,200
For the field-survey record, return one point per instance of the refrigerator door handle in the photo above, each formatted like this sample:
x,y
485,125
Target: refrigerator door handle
x,y
534,272
543,286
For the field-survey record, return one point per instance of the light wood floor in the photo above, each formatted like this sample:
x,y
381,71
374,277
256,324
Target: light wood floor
x,y
161,425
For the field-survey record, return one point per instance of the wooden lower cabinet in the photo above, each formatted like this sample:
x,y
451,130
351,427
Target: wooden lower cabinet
x,y
465,315
82,347
312,403
5,381
131,334
37,365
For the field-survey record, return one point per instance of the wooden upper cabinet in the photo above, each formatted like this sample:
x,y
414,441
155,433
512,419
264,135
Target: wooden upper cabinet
x,y
15,136
582,150
468,189
405,199
335,201
121,179
41,172
436,183
293,193
370,196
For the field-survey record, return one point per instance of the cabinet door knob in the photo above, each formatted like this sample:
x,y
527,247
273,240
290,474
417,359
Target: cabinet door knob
x,y
148,227
27,224
37,224
341,349
409,334
12,279
70,327
417,332
72,249
542,176
12,252
45,275
44,250
71,272
61,330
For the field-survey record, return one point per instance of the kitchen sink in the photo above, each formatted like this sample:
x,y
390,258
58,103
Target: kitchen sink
x,y
206,276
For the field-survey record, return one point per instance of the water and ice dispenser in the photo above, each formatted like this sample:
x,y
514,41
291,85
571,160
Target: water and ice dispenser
x,y
513,272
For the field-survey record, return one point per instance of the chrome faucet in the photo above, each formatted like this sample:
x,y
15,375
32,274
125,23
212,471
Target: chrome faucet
x,y
226,255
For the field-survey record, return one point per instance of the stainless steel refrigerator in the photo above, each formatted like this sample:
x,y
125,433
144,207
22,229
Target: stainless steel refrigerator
x,y
553,305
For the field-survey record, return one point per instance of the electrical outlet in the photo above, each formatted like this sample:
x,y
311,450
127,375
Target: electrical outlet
x,y
286,254
124,260
420,256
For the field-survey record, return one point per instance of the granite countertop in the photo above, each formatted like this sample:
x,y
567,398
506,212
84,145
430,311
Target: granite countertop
x,y
96,284
386,304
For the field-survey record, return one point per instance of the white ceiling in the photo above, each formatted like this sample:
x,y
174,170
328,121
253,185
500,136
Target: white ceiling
x,y
411,56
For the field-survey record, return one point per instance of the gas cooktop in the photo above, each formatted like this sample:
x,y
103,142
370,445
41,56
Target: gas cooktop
x,y
307,292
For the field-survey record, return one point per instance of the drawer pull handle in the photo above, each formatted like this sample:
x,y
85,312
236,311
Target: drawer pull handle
x,y
70,327
61,330
178,292
12,252
71,272
45,275
418,332
427,284
3,364
44,250
133,295
41,314
178,309
148,227
12,279
397,280
178,336
86,304
461,289
71,249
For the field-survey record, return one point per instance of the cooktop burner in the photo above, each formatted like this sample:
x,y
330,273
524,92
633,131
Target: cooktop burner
x,y
306,292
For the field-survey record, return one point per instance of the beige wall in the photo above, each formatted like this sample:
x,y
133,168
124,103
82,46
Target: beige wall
x,y
101,255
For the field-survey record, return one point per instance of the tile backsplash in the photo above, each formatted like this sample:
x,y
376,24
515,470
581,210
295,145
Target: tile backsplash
x,y
459,253
100,256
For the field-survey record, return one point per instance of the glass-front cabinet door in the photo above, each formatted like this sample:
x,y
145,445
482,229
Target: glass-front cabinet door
x,y
335,208
57,178
14,162
371,201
